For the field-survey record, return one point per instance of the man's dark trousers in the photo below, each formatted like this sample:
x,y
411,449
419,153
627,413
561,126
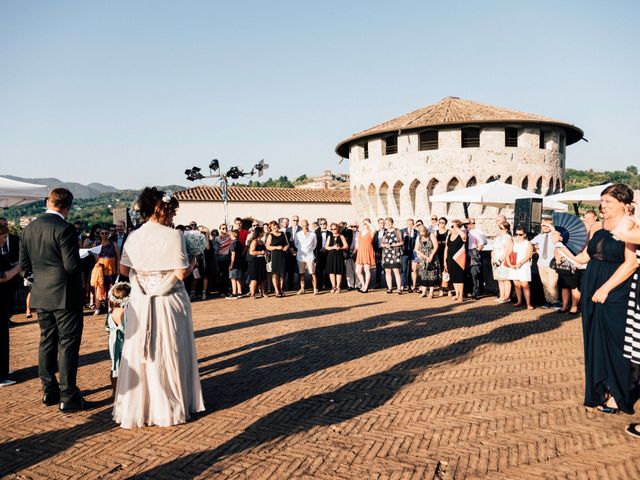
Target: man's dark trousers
x,y
61,331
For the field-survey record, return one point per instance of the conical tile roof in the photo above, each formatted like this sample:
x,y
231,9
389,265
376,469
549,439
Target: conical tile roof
x,y
457,111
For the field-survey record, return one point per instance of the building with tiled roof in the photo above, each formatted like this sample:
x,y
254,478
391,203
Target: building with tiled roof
x,y
396,166
204,204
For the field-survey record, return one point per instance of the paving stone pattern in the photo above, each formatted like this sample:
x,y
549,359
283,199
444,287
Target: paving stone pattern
x,y
342,386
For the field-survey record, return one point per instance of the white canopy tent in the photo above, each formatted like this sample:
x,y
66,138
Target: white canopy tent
x,y
14,193
590,195
495,194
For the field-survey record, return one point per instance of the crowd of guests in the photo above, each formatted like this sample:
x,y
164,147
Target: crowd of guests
x,y
292,255
440,258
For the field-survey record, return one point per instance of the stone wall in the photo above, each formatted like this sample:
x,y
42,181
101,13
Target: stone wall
x,y
400,185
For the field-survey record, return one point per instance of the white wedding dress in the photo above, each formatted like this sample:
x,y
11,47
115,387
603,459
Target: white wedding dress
x,y
158,381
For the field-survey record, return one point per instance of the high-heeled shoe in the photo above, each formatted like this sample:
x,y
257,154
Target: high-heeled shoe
x,y
608,410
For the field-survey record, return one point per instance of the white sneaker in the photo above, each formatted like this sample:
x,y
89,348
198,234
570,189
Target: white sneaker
x,y
6,382
301,292
315,291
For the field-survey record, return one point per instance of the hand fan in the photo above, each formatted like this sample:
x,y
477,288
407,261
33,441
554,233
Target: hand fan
x,y
573,231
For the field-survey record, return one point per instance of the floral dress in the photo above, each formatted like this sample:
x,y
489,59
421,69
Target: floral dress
x,y
429,273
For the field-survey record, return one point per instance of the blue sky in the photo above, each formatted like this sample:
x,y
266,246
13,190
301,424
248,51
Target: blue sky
x,y
132,93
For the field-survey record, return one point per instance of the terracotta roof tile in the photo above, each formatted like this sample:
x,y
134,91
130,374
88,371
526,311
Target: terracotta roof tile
x,y
457,111
261,194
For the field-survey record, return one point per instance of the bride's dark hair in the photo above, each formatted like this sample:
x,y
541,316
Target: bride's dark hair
x,y
151,197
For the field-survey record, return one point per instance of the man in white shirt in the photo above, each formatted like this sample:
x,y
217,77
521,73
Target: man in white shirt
x,y
476,240
306,242
543,243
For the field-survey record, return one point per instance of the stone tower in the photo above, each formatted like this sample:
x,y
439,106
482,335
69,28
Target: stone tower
x,y
396,167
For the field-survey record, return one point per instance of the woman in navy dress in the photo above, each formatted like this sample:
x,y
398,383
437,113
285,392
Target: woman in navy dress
x,y
610,381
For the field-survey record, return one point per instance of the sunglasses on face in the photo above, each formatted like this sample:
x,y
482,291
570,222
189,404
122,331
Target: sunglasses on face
x,y
104,233
255,225
519,234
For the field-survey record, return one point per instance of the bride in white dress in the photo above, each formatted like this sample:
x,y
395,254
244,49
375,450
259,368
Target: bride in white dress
x,y
158,380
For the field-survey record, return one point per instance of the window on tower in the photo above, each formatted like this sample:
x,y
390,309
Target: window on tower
x,y
428,140
510,137
470,137
391,145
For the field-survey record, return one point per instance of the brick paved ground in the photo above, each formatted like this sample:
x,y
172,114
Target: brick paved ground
x,y
347,386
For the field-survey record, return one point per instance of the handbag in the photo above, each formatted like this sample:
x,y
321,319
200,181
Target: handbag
x,y
562,267
445,279
511,259
269,266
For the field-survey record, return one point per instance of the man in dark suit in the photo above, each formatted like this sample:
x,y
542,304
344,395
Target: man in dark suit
x,y
120,236
8,272
377,249
291,263
9,255
321,254
409,236
49,249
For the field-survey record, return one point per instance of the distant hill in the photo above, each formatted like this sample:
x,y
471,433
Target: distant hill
x,y
96,209
79,191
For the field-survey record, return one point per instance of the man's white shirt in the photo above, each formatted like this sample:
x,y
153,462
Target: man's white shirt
x,y
306,245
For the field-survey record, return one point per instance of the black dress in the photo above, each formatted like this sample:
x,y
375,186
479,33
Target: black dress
x,y
603,327
335,258
456,272
257,264
442,242
277,256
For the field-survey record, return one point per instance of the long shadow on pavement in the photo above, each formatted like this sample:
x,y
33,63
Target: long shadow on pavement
x,y
278,318
352,400
276,361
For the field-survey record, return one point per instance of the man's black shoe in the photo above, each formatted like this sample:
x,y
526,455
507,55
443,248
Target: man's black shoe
x,y
50,399
73,405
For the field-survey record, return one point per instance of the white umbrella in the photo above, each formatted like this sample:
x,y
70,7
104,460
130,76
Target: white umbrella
x,y
14,193
495,194
590,195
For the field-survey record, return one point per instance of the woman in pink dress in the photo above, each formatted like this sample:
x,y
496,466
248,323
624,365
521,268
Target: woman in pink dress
x,y
365,256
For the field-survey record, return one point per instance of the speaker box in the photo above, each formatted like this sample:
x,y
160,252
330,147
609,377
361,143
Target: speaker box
x,y
528,215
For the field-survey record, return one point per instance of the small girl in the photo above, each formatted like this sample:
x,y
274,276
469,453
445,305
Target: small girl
x,y
115,324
